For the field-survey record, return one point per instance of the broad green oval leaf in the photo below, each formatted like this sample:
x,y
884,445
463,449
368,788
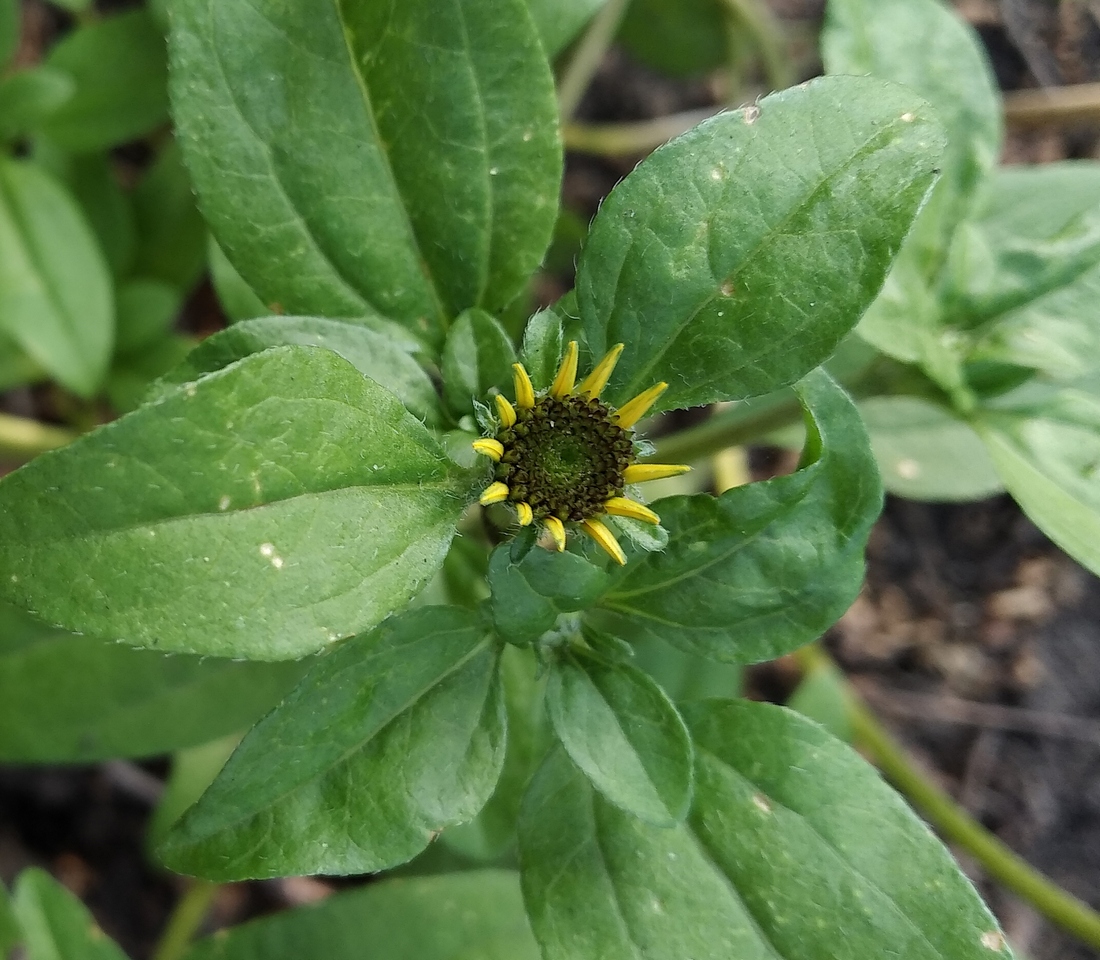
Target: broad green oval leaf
x,y
391,737
437,192
193,770
928,47
55,924
55,286
926,453
1049,460
27,99
171,233
131,377
822,696
120,72
70,699
623,732
384,354
681,37
795,850
531,587
559,21
10,934
766,567
477,356
734,259
262,512
468,916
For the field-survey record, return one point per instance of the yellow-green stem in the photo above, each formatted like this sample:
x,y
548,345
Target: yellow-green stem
x,y
759,22
22,439
186,919
956,825
625,139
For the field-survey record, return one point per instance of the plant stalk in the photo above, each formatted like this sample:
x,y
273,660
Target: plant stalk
x,y
23,439
759,22
186,918
1064,106
587,56
955,824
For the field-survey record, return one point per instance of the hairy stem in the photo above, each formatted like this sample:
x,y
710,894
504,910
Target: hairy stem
x,y
185,920
955,824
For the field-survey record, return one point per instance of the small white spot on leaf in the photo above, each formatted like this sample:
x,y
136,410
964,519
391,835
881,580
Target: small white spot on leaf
x,y
267,549
277,563
907,469
993,940
908,118
761,803
751,114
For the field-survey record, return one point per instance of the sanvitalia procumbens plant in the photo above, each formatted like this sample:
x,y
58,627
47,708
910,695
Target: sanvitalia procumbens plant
x,y
387,174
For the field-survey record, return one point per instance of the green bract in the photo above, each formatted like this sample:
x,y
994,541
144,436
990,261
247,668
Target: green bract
x,y
465,685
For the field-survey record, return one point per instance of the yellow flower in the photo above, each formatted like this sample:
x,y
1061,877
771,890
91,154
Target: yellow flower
x,y
564,456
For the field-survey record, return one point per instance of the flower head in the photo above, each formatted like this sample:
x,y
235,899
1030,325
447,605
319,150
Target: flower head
x,y
564,456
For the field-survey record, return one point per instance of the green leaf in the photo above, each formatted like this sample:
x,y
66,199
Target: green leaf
x,y
532,587
238,299
468,916
132,376
10,934
55,286
262,512
1028,271
171,233
683,675
375,352
56,925
543,347
10,16
391,737
477,356
821,697
109,211
492,833
1049,460
65,698
146,311
120,71
681,37
193,771
440,190
729,274
29,97
925,452
795,850
764,568
928,47
623,732
559,21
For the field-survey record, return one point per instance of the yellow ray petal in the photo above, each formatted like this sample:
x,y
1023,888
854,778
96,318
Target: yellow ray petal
x,y
488,447
597,379
525,392
641,472
633,410
605,538
526,515
505,411
494,493
623,507
556,530
567,372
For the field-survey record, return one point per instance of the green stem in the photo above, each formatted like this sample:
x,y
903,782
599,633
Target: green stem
x,y
587,56
736,425
24,439
760,24
625,139
956,825
186,919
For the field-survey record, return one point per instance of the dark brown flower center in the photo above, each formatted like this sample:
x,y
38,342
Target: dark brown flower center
x,y
564,458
